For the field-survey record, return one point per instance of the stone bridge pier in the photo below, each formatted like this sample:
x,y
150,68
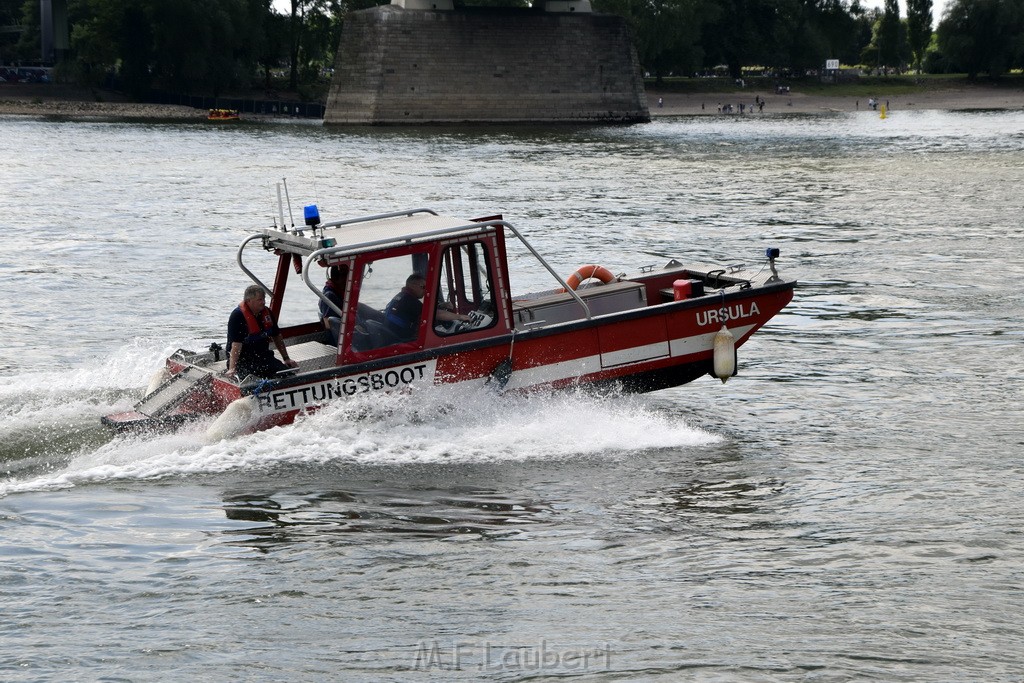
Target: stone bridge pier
x,y
419,61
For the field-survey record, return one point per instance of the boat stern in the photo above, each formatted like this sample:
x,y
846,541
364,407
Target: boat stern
x,y
187,392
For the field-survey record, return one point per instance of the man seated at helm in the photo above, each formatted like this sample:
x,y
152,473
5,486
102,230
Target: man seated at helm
x,y
403,312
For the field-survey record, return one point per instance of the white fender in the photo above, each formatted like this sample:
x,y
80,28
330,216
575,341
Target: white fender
x,y
725,354
158,378
233,420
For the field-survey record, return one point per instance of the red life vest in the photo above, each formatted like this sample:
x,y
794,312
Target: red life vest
x,y
264,322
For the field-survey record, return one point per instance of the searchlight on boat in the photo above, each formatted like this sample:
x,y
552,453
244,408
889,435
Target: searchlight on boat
x,y
312,215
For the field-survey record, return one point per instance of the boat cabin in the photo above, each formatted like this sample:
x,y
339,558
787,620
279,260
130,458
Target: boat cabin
x,y
401,283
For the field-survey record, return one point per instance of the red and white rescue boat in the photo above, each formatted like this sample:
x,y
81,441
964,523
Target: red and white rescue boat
x,y
656,329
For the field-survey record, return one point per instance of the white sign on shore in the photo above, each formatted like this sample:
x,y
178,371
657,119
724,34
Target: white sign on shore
x,y
832,64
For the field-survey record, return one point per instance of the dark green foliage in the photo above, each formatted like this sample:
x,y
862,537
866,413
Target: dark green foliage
x,y
889,35
216,46
196,46
10,16
839,30
919,28
136,51
667,32
977,36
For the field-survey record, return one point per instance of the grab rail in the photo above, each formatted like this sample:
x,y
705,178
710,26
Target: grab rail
x,y
380,216
252,276
362,246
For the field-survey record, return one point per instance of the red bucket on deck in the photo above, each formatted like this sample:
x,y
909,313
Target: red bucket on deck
x,y
684,289
681,289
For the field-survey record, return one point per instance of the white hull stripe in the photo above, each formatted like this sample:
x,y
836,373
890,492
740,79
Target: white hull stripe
x,y
635,354
703,342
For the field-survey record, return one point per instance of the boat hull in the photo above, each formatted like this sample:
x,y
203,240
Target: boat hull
x,y
642,350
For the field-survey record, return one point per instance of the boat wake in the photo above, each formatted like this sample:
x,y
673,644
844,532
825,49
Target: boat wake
x,y
50,436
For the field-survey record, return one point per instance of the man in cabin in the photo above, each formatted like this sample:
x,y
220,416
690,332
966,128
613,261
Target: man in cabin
x,y
251,327
402,314
334,290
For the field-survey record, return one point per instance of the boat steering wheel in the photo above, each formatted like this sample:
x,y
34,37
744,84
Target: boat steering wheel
x,y
477,320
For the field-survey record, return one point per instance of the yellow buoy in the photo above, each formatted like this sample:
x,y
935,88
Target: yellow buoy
x,y
882,115
724,354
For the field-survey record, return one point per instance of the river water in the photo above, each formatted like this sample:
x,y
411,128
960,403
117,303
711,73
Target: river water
x,y
848,507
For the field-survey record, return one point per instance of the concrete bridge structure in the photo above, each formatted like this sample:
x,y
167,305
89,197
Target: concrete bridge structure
x,y
420,61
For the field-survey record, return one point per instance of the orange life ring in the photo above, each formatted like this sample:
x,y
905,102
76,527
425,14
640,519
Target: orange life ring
x,y
586,273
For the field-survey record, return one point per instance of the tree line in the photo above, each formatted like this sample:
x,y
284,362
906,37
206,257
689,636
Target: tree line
x,y
685,37
219,46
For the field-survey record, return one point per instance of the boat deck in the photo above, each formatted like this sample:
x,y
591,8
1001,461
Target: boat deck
x,y
551,308
310,355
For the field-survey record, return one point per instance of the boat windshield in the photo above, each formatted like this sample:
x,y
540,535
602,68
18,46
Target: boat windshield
x,y
390,304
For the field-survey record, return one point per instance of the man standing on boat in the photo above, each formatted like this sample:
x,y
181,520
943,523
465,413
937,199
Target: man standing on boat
x,y
251,327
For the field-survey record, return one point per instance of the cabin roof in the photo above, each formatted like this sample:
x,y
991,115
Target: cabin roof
x,y
378,232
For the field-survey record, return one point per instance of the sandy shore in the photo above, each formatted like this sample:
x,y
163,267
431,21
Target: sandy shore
x,y
68,101
975,97
120,110
74,102
65,102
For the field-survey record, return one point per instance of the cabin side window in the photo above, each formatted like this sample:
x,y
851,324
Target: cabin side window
x,y
465,287
390,305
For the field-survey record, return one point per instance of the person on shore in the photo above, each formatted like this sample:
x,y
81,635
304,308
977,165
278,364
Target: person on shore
x,y
251,328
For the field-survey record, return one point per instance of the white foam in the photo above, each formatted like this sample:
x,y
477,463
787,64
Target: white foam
x,y
57,397
436,425
127,367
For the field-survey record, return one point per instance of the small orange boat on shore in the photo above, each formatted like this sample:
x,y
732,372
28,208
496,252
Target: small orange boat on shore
x,y
223,115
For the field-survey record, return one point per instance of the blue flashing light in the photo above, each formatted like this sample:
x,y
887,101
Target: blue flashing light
x,y
312,215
